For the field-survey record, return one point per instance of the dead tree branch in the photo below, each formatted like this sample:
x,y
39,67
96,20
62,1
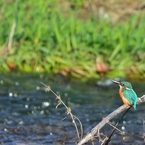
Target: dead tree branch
x,y
68,111
105,120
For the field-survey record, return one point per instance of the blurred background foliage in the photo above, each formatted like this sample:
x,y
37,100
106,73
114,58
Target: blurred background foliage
x,y
75,38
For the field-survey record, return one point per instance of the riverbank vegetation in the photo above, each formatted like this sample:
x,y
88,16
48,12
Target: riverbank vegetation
x,y
81,39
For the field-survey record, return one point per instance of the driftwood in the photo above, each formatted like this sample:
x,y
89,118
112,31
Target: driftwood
x,y
96,129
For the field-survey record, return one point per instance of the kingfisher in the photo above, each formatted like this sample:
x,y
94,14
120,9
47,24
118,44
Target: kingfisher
x,y
127,94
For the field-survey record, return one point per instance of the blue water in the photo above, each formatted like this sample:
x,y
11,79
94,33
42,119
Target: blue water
x,y
28,114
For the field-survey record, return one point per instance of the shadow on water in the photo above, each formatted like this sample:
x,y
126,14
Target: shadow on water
x,y
28,114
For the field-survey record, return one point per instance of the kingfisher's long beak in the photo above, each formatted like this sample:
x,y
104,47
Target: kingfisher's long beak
x,y
116,82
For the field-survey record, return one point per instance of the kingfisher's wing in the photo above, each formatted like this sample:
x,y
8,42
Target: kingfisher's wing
x,y
131,96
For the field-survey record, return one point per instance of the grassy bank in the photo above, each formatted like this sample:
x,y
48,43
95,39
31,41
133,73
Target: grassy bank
x,y
46,37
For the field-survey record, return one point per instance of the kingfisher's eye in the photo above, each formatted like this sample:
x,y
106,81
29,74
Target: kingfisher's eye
x,y
122,84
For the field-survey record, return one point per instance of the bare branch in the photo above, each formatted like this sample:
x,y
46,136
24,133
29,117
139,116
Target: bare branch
x,y
106,120
115,127
68,111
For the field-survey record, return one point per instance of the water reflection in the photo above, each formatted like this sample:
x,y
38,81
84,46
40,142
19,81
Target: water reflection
x,y
28,113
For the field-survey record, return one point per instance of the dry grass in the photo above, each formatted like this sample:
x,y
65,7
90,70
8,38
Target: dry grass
x,y
68,112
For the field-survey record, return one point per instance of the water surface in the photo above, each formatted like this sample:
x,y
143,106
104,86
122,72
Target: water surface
x,y
28,113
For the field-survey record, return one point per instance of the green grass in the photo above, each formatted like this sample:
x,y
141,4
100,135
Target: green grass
x,y
47,39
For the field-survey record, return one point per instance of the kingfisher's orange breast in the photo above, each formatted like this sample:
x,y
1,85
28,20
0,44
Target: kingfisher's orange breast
x,y
125,101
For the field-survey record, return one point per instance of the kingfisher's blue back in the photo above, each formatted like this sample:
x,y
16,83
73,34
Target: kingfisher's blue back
x,y
129,93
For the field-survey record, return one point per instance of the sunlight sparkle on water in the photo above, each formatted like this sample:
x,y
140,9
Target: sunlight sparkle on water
x,y
26,106
123,128
42,112
21,122
10,94
37,88
5,130
46,104
17,83
1,81
15,95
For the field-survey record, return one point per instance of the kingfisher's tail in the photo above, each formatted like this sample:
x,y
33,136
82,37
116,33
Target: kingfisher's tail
x,y
134,106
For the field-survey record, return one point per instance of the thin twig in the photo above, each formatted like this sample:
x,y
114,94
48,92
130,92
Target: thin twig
x,y
73,117
114,127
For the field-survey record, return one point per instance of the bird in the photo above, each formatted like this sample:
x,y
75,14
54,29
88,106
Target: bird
x,y
127,94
